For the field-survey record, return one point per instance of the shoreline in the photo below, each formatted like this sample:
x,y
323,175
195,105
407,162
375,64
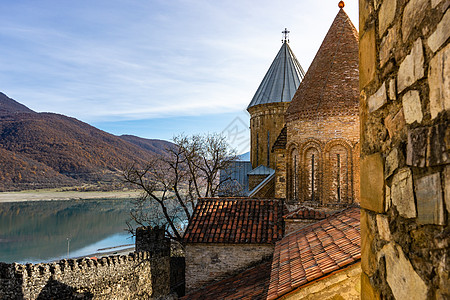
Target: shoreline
x,y
58,195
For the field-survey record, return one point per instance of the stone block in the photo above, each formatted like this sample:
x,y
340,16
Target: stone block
x,y
416,148
365,9
439,145
378,99
392,93
368,257
386,15
367,57
412,107
447,187
403,280
402,193
439,81
395,123
387,45
441,34
383,227
391,163
413,15
411,69
372,183
388,198
435,3
430,208
368,292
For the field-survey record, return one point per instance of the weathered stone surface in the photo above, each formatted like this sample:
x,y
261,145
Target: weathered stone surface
x,y
387,45
439,81
391,163
411,69
368,257
378,99
388,198
413,15
441,34
395,123
416,148
383,227
402,193
401,276
439,145
434,3
447,187
367,57
365,9
367,290
412,107
430,208
392,93
372,183
386,15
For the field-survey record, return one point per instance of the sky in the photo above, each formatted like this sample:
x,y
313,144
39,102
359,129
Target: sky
x,y
153,68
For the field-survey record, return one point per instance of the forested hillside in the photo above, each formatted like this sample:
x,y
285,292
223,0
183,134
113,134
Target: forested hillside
x,y
50,150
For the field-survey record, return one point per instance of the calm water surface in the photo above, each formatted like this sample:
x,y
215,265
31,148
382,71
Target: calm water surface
x,y
39,231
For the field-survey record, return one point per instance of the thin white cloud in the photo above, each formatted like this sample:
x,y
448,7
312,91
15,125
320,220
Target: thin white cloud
x,y
144,59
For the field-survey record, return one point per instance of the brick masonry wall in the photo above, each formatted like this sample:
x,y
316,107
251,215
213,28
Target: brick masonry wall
x,y
265,118
405,172
113,277
206,263
344,284
325,137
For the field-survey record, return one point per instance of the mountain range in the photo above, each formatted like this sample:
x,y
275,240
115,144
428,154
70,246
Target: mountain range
x,y
46,150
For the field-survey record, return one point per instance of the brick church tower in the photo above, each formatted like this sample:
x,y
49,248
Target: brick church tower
x,y
270,102
318,151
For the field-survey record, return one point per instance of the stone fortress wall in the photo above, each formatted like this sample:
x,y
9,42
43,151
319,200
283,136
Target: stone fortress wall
x,y
140,275
405,171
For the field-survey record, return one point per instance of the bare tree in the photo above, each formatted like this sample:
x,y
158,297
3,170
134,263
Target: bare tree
x,y
172,183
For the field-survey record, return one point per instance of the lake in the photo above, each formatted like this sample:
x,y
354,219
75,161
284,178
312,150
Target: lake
x,y
42,231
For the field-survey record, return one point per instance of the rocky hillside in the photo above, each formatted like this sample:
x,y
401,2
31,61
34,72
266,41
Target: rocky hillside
x,y
50,150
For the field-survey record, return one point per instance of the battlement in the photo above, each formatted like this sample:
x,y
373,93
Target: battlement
x,y
118,277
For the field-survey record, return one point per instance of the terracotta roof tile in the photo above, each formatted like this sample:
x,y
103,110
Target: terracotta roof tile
x,y
250,284
315,251
236,220
331,84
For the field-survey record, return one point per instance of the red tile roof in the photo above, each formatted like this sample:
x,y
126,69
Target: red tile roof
x,y
236,220
307,213
315,251
331,84
250,284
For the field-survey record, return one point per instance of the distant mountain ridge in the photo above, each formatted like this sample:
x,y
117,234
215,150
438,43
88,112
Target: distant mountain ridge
x,y
41,150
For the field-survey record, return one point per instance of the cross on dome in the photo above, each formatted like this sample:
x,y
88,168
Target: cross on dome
x,y
285,33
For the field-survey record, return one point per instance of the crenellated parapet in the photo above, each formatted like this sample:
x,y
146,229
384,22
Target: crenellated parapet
x,y
113,277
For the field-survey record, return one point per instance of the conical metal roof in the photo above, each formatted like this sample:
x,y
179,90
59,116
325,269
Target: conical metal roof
x,y
281,80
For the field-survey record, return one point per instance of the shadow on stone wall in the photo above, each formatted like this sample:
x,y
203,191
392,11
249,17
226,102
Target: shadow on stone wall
x,y
58,290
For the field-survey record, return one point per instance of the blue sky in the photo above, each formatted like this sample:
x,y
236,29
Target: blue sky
x,y
152,68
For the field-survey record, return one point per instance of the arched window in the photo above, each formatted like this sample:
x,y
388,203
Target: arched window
x,y
339,170
312,174
257,150
268,148
293,175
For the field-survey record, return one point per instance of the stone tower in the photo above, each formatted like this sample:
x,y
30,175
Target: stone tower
x,y
320,161
270,102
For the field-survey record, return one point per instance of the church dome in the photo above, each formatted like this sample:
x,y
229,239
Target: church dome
x,y
281,80
331,85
